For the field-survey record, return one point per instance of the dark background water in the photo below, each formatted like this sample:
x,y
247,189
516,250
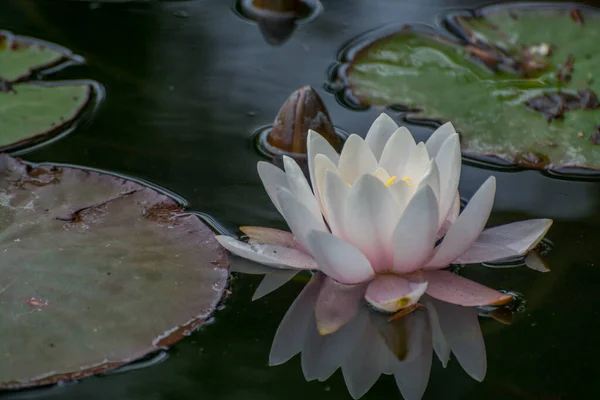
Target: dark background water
x,y
187,83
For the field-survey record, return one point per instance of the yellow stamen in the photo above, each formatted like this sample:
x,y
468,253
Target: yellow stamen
x,y
407,180
390,181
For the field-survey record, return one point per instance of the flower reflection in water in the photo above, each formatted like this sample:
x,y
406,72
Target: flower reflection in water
x,y
370,343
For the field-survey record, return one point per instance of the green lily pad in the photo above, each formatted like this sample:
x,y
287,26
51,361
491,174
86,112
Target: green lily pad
x,y
520,83
97,271
32,111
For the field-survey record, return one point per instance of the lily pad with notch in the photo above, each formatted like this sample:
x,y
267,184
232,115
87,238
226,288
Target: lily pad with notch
x,y
33,110
97,272
517,81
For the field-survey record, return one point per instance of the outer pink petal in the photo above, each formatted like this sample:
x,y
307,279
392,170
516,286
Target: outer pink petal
x,y
455,289
392,293
506,241
275,256
337,305
277,237
338,259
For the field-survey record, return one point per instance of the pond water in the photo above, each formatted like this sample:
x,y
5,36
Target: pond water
x,y
187,84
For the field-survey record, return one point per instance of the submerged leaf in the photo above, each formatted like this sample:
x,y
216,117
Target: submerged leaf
x,y
521,87
96,272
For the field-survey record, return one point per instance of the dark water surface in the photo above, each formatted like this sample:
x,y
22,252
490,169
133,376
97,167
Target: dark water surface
x,y
186,85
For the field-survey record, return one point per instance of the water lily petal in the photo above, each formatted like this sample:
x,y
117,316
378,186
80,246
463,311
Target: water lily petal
x,y
356,159
402,193
317,144
454,212
415,235
370,216
417,165
455,289
300,188
322,165
460,326
432,179
467,227
337,305
275,256
448,160
440,344
298,217
273,281
506,241
392,292
437,138
335,193
291,333
379,134
245,266
397,151
259,234
534,261
272,178
339,259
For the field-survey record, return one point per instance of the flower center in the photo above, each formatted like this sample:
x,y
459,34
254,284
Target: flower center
x,y
407,180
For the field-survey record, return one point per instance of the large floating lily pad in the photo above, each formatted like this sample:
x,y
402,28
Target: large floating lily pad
x,y
31,110
518,82
96,271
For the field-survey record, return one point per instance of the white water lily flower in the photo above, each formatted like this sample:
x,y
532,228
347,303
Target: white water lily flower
x,y
385,212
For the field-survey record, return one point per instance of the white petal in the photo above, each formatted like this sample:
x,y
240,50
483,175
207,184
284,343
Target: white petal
x,y
416,232
370,216
292,330
392,292
356,160
461,329
338,259
272,178
467,227
335,193
298,217
317,144
380,132
451,217
432,179
402,193
322,165
273,281
300,188
274,256
397,151
437,138
417,165
506,241
448,160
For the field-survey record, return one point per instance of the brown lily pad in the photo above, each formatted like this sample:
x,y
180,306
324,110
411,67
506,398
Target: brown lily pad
x,y
97,272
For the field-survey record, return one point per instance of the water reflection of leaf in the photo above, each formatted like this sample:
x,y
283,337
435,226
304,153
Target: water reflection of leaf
x,y
369,345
